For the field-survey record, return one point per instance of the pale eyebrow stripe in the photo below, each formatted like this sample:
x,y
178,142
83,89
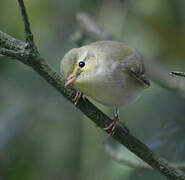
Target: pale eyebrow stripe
x,y
88,55
86,58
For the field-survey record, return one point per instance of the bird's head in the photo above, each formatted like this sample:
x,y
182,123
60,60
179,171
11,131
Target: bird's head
x,y
78,64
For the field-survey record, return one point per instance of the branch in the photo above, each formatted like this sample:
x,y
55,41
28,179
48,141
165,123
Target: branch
x,y
92,29
178,73
9,42
124,160
102,120
91,111
28,34
9,53
156,72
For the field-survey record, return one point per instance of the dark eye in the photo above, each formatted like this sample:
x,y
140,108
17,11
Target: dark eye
x,y
81,64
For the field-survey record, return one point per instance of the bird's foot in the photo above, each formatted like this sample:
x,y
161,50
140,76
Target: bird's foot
x,y
112,126
77,97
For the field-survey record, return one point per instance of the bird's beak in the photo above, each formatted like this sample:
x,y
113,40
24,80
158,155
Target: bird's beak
x,y
71,80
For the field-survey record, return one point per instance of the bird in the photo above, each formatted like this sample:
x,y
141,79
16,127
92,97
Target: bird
x,y
109,72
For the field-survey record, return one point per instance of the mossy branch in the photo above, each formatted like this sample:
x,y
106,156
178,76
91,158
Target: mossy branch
x,y
20,51
133,163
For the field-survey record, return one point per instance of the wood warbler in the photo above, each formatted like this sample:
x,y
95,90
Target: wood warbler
x,y
110,72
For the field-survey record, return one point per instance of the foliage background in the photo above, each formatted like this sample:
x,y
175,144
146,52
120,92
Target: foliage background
x,y
42,136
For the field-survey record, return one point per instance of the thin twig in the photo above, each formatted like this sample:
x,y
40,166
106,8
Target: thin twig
x,y
155,71
124,160
134,163
28,34
177,73
91,28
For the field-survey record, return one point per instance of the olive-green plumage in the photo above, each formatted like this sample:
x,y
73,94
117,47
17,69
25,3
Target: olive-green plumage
x,y
107,71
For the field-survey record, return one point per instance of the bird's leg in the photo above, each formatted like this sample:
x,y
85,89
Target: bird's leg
x,y
114,124
77,97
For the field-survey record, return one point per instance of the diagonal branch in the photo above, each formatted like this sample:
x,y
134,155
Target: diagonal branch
x,y
91,111
9,42
134,163
10,53
100,119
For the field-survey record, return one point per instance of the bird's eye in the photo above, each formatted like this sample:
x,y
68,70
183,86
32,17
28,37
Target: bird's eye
x,y
81,64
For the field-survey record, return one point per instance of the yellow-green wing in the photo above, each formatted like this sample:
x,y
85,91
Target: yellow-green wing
x,y
118,51
138,72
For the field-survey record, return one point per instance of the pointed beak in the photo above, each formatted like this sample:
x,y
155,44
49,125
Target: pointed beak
x,y
71,80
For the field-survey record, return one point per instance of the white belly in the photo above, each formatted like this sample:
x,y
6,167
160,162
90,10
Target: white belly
x,y
111,90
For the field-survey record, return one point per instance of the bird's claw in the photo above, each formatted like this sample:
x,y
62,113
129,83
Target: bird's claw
x,y
77,97
112,126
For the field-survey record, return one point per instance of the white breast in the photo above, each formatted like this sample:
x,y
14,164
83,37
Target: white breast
x,y
111,87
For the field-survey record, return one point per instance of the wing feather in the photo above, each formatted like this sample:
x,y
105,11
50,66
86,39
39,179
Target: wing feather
x,y
131,59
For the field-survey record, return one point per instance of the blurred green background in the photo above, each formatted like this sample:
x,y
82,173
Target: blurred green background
x,y
43,136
